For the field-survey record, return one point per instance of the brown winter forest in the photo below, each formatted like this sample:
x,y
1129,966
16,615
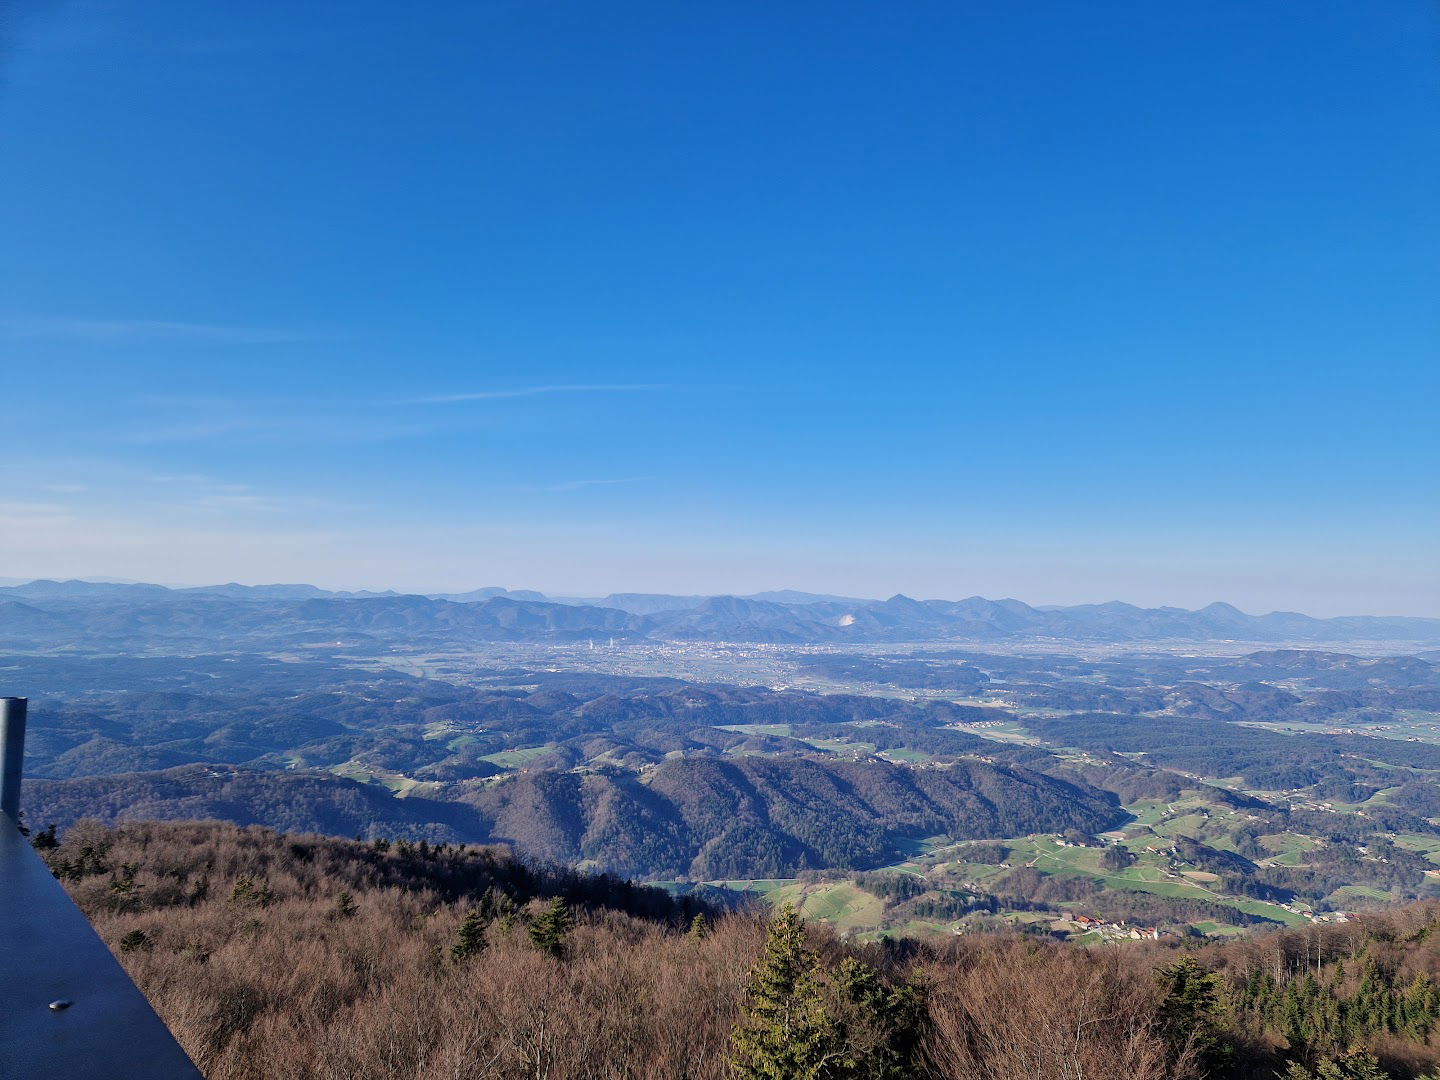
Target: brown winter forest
x,y
274,956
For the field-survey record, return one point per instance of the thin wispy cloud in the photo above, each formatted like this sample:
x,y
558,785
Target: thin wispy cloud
x,y
23,509
191,494
577,485
174,496
201,431
536,391
144,331
261,503
299,428
181,478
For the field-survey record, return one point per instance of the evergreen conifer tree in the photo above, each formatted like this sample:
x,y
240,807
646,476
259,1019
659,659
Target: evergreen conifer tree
x,y
1191,1013
471,940
247,891
551,927
786,1032
879,1026
1356,1065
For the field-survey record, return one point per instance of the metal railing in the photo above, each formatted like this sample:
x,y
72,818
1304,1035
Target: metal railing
x,y
12,753
67,1008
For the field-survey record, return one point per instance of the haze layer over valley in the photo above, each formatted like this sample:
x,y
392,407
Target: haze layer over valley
x,y
43,611
892,766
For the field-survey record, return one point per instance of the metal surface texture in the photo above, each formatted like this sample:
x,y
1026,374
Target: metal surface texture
x,y
49,955
67,1008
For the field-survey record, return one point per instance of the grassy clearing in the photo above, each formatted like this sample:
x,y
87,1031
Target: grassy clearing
x,y
514,759
1359,896
839,903
1429,846
1051,856
397,783
908,757
1287,843
1182,825
920,845
1173,889
1214,929
840,745
1270,911
1147,813
1005,732
757,729
760,886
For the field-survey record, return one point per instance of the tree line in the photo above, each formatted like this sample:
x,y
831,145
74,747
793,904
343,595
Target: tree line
x,y
298,956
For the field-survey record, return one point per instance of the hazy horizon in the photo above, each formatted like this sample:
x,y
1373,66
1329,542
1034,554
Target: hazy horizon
x,y
595,595
1022,302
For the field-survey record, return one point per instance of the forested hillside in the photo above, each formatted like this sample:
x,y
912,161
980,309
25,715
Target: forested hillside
x,y
1196,794
300,957
692,817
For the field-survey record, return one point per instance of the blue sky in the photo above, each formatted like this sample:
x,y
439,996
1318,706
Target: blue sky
x,y
1067,302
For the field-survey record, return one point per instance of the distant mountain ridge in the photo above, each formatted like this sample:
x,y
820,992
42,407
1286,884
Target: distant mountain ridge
x,y
50,611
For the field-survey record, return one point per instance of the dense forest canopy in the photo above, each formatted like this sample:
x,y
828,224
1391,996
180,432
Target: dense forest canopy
x,y
301,956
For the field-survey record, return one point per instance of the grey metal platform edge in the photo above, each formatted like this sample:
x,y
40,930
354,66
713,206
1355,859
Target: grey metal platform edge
x,y
67,1008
